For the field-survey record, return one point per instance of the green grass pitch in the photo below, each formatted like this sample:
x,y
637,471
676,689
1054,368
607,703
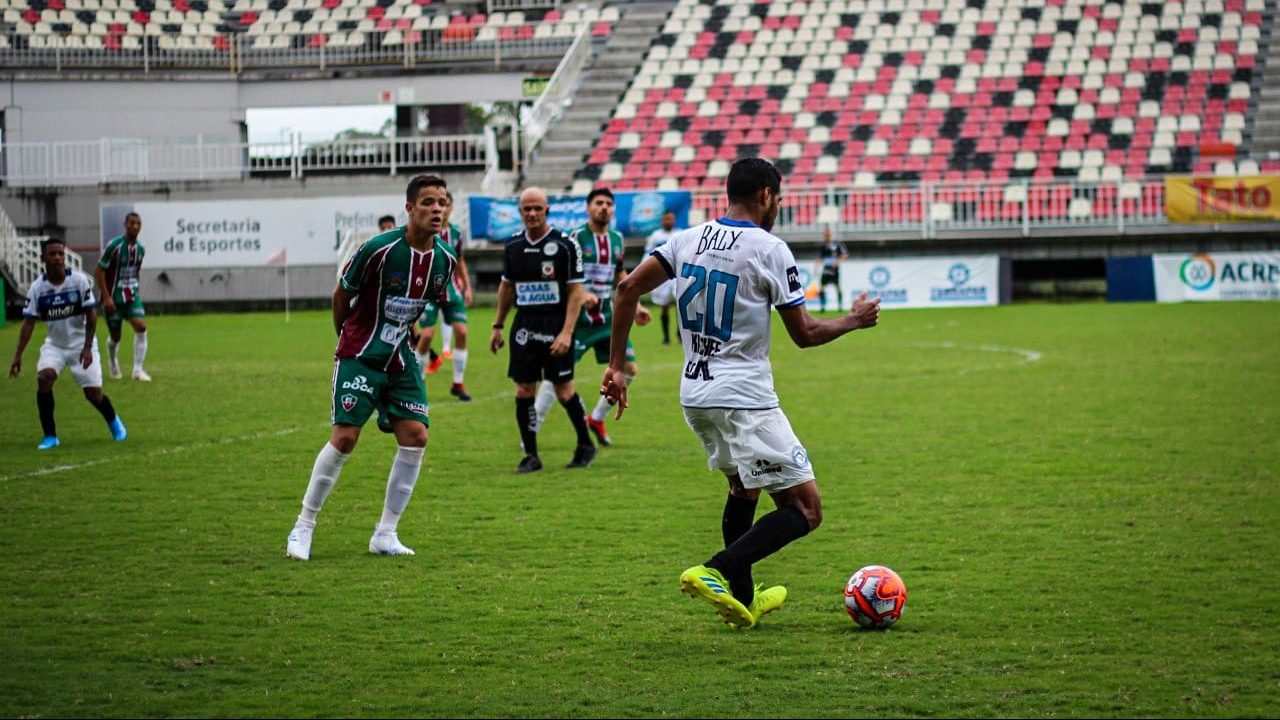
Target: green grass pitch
x,y
1083,500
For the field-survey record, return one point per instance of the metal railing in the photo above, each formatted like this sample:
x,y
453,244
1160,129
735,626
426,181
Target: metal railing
x,y
927,210
22,255
91,162
550,104
241,52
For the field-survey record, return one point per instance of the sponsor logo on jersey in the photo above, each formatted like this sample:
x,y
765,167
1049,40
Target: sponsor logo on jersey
x,y
793,279
717,238
764,467
551,247
402,309
416,408
358,383
348,402
537,293
524,335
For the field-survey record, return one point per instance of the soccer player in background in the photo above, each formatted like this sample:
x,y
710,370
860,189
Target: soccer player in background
x,y
664,295
117,276
390,278
829,257
386,222
64,301
732,270
455,315
542,277
602,263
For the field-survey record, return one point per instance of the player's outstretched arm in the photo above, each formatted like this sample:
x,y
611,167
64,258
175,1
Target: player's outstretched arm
x,y
808,331
648,276
24,337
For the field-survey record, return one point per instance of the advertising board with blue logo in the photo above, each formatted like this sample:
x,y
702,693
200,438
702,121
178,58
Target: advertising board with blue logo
x,y
636,214
910,283
1216,276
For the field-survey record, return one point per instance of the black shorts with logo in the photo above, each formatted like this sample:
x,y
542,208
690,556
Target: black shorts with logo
x,y
530,350
831,275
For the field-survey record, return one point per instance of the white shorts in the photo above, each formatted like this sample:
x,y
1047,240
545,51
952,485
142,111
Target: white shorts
x,y
757,445
664,294
55,358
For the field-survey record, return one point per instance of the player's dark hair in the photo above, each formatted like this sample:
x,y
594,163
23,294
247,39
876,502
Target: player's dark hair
x,y
672,213
599,191
420,181
449,195
132,214
388,218
749,176
44,244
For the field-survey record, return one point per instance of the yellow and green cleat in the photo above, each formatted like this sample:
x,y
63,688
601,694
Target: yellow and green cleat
x,y
708,584
766,601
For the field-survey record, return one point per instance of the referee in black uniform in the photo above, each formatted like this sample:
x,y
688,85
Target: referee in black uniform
x,y
542,277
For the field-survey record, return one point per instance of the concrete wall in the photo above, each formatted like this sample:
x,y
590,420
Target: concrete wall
x,y
50,111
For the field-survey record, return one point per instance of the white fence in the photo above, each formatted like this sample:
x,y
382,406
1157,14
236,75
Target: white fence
x,y
927,210
239,53
559,91
128,160
22,255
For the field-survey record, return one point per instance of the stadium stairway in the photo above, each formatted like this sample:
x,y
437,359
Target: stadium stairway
x,y
1266,123
603,82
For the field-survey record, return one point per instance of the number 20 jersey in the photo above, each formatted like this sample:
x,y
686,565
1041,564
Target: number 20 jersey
x,y
727,275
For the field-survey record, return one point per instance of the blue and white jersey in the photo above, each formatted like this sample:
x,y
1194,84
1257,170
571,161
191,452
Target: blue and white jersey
x,y
62,307
728,274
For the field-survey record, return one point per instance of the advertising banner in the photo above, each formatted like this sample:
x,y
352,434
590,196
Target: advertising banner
x,y
1222,199
248,233
1217,276
635,214
910,283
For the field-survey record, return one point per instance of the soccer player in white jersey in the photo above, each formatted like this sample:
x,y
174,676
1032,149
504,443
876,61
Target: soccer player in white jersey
x,y
64,300
664,296
728,274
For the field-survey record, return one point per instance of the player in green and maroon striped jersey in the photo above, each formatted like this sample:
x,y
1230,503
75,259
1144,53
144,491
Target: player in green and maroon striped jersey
x,y
390,278
117,276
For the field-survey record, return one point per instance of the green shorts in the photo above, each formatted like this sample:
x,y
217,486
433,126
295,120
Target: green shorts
x,y
597,338
455,310
124,310
358,390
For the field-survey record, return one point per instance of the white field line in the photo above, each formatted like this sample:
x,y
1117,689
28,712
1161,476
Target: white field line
x,y
1025,356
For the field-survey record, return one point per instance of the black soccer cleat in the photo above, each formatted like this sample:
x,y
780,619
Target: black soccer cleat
x,y
583,456
529,464
460,392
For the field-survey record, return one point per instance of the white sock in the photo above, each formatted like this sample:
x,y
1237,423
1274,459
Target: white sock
x,y
139,350
423,359
459,366
542,403
324,475
446,337
601,410
113,351
404,475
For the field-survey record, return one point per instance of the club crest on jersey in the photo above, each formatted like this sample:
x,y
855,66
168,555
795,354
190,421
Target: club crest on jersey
x,y
551,248
348,402
548,269
395,280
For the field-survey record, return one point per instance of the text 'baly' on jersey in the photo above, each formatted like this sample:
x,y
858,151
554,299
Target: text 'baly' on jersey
x,y
62,307
728,275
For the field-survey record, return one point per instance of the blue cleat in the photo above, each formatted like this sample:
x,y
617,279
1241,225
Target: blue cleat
x,y
48,443
117,429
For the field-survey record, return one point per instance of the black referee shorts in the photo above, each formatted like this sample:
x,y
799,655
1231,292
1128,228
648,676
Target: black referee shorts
x,y
531,360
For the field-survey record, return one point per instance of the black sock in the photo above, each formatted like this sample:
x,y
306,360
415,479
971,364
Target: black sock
x,y
578,416
108,412
666,328
525,418
44,401
738,514
770,534
431,354
839,300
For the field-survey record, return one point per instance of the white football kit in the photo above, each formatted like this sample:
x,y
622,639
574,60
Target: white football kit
x,y
664,294
62,308
728,275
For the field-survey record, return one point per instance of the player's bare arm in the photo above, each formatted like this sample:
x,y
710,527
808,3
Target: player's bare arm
x,y
573,307
506,298
643,316
100,277
90,327
24,337
626,301
464,279
341,307
808,331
